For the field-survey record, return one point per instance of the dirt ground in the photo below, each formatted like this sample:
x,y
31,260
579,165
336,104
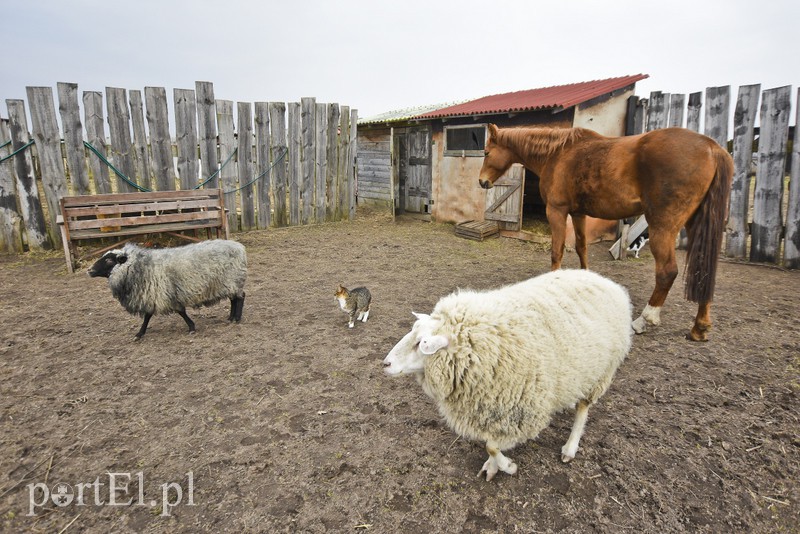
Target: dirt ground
x,y
286,422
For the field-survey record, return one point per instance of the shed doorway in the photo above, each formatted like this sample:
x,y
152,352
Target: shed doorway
x,y
411,152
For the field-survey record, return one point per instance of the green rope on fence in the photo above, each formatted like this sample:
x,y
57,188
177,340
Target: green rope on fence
x,y
218,170
17,151
144,189
5,144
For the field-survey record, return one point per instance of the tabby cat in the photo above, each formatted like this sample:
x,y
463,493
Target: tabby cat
x,y
355,302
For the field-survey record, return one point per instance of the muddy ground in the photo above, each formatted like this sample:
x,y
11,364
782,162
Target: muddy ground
x,y
286,422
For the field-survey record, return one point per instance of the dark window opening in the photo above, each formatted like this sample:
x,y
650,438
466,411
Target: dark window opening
x,y
469,140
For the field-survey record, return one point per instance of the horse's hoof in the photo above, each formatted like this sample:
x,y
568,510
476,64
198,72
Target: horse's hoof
x,y
692,336
639,325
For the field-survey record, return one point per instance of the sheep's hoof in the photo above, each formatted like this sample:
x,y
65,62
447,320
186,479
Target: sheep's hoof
x,y
566,458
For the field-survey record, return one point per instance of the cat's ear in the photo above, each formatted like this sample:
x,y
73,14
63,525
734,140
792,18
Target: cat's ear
x,y
421,316
430,344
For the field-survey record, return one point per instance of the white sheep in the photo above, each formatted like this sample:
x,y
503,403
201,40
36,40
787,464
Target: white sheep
x,y
499,364
169,280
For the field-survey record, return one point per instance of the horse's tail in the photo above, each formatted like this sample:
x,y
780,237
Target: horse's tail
x,y
707,228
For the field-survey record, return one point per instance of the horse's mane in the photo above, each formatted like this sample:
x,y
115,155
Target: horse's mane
x,y
539,142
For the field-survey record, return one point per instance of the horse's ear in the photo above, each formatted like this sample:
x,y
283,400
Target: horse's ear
x,y
492,131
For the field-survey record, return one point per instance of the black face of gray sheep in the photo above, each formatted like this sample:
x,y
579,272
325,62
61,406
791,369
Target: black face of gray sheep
x,y
104,265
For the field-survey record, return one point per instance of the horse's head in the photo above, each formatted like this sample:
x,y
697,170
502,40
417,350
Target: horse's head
x,y
497,159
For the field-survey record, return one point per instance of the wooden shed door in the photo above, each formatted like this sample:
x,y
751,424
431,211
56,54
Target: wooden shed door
x,y
504,200
413,150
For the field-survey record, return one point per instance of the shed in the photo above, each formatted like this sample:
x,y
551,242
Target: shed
x,y
426,160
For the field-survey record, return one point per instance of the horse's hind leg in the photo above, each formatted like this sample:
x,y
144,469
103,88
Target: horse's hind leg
x,y
579,224
558,229
702,323
662,247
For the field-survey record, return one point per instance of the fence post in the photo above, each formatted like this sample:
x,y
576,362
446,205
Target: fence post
x,y
658,110
10,219
351,162
119,127
744,119
245,153
693,111
676,102
307,125
295,145
770,173
141,152
27,192
321,171
73,137
96,136
718,109
277,120
262,168
207,133
331,189
227,144
186,137
342,141
160,142
791,247
48,147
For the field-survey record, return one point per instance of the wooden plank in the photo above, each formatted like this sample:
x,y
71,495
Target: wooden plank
x,y
351,162
227,144
791,257
155,206
504,201
186,137
207,133
770,173
10,218
332,159
635,230
95,136
27,192
718,110
693,110
277,120
160,142
262,167
212,222
295,176
657,111
321,157
308,164
48,149
73,137
191,194
743,133
640,117
138,220
676,103
141,151
342,207
119,127
245,164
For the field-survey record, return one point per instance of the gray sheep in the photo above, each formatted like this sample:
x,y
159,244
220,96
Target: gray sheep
x,y
159,281
499,364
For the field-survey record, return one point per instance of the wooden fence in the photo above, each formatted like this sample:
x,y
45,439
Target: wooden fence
x,y
764,218
279,165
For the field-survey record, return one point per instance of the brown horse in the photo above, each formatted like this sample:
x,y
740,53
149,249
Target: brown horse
x,y
674,176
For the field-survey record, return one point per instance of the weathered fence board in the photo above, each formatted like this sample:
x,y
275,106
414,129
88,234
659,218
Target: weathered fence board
x,y
332,158
718,105
676,105
207,134
227,146
73,137
657,111
262,167
10,219
342,208
245,153
307,124
141,152
693,110
160,142
743,132
48,147
295,142
770,173
792,243
96,137
351,162
27,191
186,138
321,171
277,116
120,132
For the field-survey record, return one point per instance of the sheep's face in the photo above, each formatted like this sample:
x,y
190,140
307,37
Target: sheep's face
x,y
408,356
107,262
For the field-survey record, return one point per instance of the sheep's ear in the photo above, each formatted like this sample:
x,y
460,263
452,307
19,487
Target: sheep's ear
x,y
421,316
122,258
430,344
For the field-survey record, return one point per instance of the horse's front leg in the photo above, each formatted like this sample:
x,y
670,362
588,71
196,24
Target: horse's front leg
x,y
579,224
662,247
557,218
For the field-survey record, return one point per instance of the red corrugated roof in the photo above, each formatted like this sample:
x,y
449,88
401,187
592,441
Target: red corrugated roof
x,y
560,96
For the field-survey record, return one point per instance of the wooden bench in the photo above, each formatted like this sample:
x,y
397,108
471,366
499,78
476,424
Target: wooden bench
x,y
130,214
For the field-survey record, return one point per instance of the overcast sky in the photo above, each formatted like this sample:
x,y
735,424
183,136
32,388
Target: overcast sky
x,y
379,56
